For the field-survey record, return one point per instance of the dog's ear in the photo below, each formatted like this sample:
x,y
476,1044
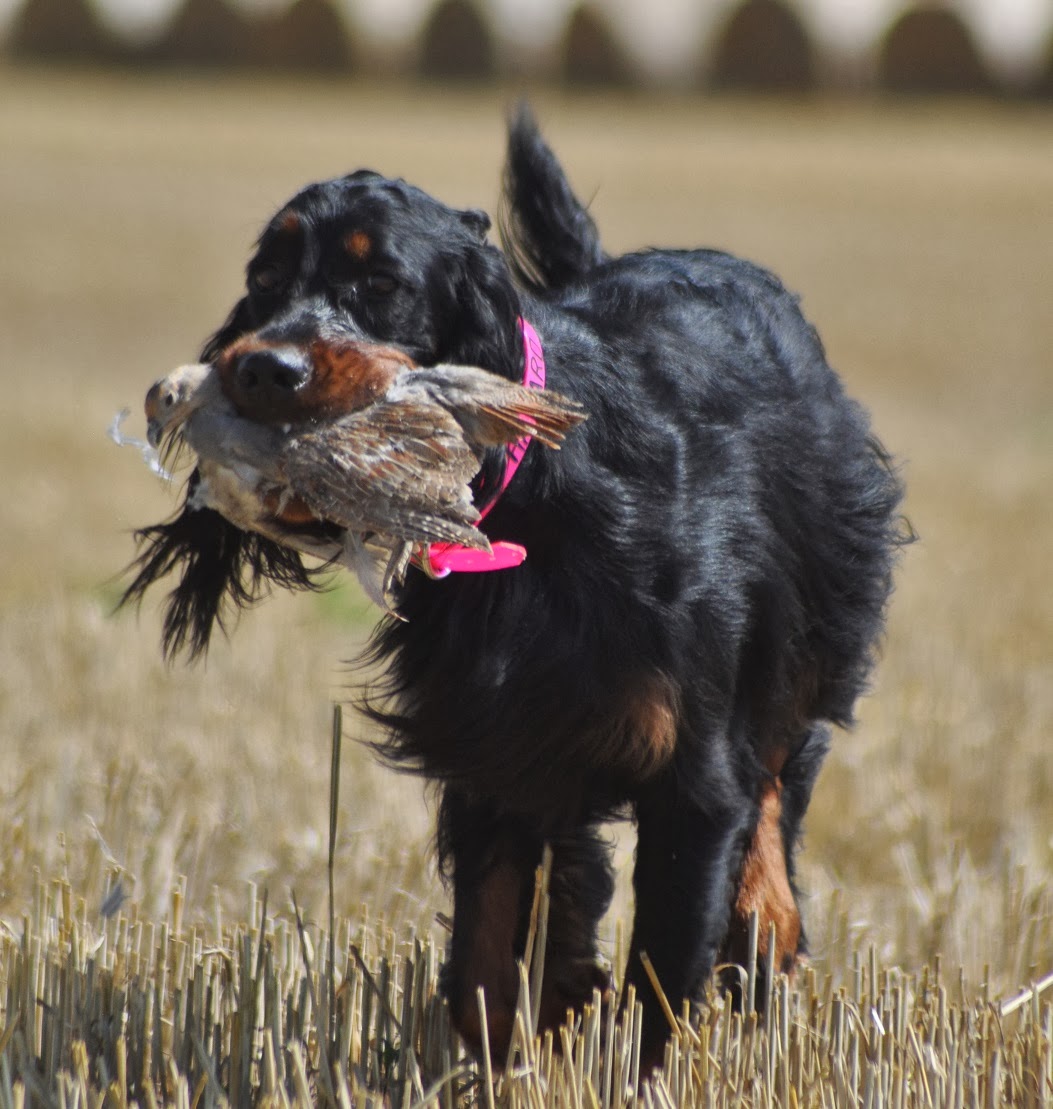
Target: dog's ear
x,y
476,221
486,333
221,570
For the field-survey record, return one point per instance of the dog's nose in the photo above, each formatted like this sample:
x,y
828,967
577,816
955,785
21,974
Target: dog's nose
x,y
271,375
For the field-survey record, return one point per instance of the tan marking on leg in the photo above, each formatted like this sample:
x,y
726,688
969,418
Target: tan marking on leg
x,y
764,887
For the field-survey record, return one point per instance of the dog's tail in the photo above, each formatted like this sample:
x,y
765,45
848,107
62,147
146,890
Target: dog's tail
x,y
548,236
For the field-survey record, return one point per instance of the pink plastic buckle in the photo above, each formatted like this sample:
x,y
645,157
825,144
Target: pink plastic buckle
x,y
439,559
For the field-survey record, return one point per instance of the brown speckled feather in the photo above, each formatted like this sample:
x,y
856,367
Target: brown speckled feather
x,y
393,468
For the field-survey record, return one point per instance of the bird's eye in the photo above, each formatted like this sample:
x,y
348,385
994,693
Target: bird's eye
x,y
381,283
267,278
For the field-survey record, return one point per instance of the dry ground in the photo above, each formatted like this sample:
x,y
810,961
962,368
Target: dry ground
x,y
921,238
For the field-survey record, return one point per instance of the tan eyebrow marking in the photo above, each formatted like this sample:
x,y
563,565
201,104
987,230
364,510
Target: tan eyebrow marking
x,y
289,223
358,245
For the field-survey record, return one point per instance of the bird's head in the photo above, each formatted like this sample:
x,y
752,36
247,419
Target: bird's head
x,y
171,400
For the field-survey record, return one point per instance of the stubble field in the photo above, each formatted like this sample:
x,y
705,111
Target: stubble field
x,y
921,240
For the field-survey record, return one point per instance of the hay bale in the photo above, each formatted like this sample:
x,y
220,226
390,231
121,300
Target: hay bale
x,y
763,46
930,49
66,30
591,54
1043,85
205,33
457,44
309,36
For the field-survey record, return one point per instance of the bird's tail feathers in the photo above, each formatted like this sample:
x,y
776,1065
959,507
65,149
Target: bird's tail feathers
x,y
546,417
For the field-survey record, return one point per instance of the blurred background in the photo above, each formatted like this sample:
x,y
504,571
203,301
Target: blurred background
x,y
966,46
892,162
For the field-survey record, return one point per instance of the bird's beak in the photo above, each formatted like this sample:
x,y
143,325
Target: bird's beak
x,y
154,407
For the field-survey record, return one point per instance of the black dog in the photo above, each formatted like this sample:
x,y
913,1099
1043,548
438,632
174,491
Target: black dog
x,y
709,560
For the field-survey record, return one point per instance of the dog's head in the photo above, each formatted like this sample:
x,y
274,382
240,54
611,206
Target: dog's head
x,y
361,258
369,258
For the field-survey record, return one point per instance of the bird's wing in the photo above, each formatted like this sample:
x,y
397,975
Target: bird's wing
x,y
394,468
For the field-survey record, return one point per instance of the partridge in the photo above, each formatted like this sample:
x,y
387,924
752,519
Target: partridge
x,y
350,453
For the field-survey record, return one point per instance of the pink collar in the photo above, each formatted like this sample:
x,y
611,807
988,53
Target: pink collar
x,y
439,559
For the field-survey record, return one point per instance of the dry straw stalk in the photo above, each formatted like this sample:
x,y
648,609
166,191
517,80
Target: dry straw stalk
x,y
150,1014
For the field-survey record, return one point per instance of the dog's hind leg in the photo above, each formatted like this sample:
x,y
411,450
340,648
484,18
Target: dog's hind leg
x,y
765,883
798,780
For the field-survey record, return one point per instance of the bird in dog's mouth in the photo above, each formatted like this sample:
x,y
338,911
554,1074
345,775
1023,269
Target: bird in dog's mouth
x,y
349,452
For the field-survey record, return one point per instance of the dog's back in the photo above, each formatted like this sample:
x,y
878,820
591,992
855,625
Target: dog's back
x,y
748,523
718,341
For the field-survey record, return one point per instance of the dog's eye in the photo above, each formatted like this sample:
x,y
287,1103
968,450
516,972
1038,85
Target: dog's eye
x,y
381,283
267,278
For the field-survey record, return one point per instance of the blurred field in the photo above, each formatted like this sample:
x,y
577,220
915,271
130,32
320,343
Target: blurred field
x,y
921,238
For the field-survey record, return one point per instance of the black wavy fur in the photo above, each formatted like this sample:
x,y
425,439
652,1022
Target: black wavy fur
x,y
710,558
222,570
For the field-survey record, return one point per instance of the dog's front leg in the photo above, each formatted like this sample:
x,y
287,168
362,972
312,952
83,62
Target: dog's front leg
x,y
492,859
688,854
